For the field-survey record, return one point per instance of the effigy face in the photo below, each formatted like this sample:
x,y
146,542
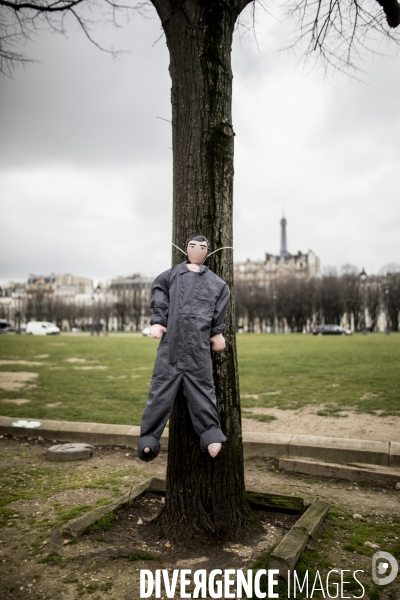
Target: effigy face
x,y
197,251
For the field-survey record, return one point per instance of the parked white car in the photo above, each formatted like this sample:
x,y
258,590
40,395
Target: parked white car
x,y
42,328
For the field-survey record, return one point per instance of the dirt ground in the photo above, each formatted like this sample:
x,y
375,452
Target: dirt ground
x,y
32,566
12,380
305,420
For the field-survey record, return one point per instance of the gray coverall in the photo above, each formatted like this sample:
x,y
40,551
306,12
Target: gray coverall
x,y
192,306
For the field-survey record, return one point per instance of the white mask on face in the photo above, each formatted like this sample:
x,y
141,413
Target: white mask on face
x,y
197,251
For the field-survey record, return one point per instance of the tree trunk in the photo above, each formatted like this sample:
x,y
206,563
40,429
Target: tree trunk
x,y
204,496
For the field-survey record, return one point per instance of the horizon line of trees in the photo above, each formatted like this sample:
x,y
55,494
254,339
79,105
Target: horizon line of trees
x,y
285,304
122,310
297,304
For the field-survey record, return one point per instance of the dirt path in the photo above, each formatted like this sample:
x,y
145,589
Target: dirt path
x,y
31,566
306,421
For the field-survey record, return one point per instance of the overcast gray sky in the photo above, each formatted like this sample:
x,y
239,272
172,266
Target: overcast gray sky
x,y
86,165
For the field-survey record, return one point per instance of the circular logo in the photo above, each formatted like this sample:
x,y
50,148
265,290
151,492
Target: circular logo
x,y
384,568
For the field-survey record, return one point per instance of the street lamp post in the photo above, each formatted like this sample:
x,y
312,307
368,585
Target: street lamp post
x,y
274,296
387,330
363,278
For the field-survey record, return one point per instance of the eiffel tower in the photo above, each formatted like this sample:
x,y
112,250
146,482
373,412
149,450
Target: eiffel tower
x,y
284,250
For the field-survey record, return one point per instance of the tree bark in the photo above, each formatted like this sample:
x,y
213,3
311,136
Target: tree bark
x,y
204,496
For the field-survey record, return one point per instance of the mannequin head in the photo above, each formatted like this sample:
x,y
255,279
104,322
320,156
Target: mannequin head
x,y
197,249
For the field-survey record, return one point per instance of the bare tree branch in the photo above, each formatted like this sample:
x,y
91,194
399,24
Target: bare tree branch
x,y
59,6
338,32
21,21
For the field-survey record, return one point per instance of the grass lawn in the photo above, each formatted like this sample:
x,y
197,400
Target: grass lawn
x,y
106,379
358,372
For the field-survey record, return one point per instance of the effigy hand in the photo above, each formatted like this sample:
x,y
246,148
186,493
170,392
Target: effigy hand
x,y
156,331
218,342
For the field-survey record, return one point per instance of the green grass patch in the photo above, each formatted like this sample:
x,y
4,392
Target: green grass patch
x,y
55,560
47,478
68,514
351,373
258,416
382,531
83,391
332,411
104,523
142,556
51,559
6,515
104,587
354,373
92,587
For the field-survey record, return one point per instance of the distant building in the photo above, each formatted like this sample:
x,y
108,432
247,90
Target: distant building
x,y
131,300
12,301
121,285
72,302
61,287
68,286
41,297
48,295
283,265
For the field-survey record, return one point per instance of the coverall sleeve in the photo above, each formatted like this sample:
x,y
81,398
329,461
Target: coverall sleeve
x,y
218,325
159,303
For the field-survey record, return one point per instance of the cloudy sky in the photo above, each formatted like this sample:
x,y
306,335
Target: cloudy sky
x,y
86,164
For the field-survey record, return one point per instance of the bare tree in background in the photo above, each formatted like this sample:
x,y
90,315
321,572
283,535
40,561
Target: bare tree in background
x,y
295,302
106,309
392,281
122,310
331,298
140,303
339,31
264,308
374,301
206,496
240,302
250,296
352,297
22,21
58,311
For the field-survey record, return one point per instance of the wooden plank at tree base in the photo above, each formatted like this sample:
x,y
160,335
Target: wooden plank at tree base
x,y
257,500
158,486
287,553
275,502
78,526
313,518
